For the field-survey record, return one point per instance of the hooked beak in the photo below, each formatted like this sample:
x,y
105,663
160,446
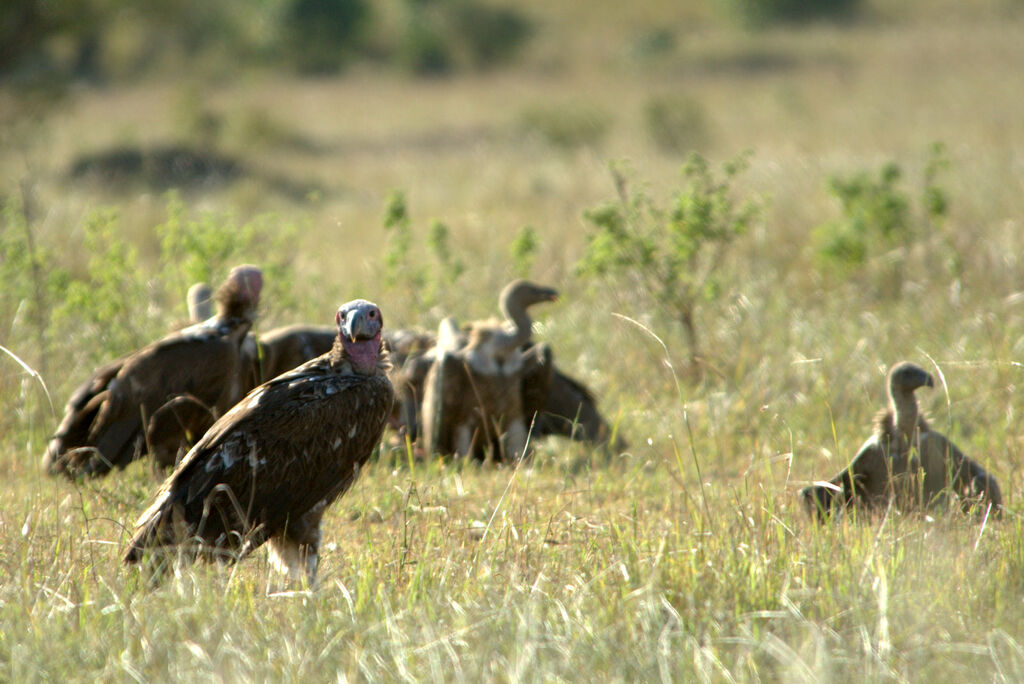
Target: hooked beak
x,y
359,324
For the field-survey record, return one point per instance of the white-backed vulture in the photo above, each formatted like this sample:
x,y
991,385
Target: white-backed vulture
x,y
107,418
905,461
269,468
473,394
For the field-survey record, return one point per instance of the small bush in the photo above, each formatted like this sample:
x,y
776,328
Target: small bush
x,y
321,35
670,253
762,13
523,250
568,126
675,123
425,282
422,50
441,35
491,35
880,219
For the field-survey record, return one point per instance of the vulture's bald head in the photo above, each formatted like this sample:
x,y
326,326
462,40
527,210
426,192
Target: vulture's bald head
x,y
519,294
905,377
239,296
359,328
200,302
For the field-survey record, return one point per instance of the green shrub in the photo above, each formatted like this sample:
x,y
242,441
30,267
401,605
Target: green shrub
x,y
422,48
567,126
523,250
490,35
425,280
321,35
440,35
205,247
878,218
761,13
670,253
675,123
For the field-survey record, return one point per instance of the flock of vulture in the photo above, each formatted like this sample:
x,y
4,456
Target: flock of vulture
x,y
264,432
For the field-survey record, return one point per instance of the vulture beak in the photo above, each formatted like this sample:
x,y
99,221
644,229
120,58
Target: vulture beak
x,y
361,321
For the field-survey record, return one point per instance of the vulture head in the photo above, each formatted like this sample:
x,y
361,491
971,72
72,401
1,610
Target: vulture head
x,y
905,377
200,302
239,296
515,299
359,327
521,294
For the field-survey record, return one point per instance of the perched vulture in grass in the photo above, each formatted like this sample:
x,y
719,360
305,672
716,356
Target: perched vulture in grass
x,y
269,468
107,419
473,395
902,450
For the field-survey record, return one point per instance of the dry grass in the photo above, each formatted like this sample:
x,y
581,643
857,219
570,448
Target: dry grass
x,y
686,558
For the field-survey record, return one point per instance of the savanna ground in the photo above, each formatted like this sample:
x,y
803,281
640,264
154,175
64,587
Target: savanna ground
x,y
686,557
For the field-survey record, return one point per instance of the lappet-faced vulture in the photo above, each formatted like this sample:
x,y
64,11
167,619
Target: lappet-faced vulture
x,y
902,450
269,468
473,395
107,418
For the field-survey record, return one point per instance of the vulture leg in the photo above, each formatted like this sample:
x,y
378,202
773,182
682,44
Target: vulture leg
x,y
295,550
464,439
513,440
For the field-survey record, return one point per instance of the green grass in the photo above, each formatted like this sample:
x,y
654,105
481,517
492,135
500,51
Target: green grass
x,y
687,558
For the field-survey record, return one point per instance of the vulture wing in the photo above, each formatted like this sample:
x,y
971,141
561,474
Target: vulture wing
x,y
283,349
203,363
79,413
949,470
570,410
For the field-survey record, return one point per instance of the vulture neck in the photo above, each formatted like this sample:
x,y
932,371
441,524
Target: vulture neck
x,y
363,357
905,413
514,309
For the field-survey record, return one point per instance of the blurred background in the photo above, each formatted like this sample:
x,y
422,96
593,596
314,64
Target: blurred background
x,y
424,152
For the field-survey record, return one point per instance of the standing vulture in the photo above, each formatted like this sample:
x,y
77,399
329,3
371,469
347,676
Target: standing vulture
x,y
902,450
107,419
268,468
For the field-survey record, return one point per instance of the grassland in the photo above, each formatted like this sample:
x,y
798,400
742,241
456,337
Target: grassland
x,y
685,558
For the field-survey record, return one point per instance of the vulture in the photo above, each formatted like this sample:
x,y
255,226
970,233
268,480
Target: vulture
x,y
905,461
269,468
108,418
200,302
485,377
